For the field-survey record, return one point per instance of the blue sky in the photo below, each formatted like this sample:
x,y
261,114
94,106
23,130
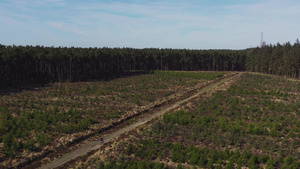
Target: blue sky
x,y
191,24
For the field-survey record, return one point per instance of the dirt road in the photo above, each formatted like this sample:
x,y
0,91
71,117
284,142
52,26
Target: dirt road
x,y
93,145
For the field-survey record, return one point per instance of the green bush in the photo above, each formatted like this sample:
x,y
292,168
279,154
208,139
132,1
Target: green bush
x,y
214,155
194,158
242,161
29,145
156,127
263,159
252,162
101,165
270,163
210,163
179,117
43,139
140,152
229,165
129,149
289,162
158,165
202,161
11,145
179,166
235,156
178,154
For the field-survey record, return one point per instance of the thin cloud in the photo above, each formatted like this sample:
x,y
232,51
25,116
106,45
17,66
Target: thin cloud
x,y
38,2
66,27
172,24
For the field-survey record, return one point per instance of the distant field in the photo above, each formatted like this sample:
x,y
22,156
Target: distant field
x,y
32,119
255,123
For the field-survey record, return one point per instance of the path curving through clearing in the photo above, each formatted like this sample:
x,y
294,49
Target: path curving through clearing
x,y
94,145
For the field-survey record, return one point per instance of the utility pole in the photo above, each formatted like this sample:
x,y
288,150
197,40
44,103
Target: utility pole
x,y
262,42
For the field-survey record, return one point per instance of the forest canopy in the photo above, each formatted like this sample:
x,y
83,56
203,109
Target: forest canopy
x,y
39,64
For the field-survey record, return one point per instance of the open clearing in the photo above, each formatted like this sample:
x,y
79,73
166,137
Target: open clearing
x,y
252,122
43,121
94,145
237,120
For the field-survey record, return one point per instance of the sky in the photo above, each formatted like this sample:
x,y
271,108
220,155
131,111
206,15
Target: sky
x,y
180,24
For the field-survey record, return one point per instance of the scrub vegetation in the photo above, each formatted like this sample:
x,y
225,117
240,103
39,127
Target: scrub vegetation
x,y
32,119
255,123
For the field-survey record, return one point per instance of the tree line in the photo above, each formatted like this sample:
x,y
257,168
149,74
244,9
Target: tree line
x,y
58,64
39,64
279,59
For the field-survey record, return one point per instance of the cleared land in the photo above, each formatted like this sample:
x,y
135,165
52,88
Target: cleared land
x,y
41,121
253,122
94,145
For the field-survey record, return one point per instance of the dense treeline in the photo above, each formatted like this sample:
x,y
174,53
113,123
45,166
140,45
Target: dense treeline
x,y
279,59
21,64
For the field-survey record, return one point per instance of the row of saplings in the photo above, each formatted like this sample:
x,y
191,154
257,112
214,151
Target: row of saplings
x,y
192,157
29,128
